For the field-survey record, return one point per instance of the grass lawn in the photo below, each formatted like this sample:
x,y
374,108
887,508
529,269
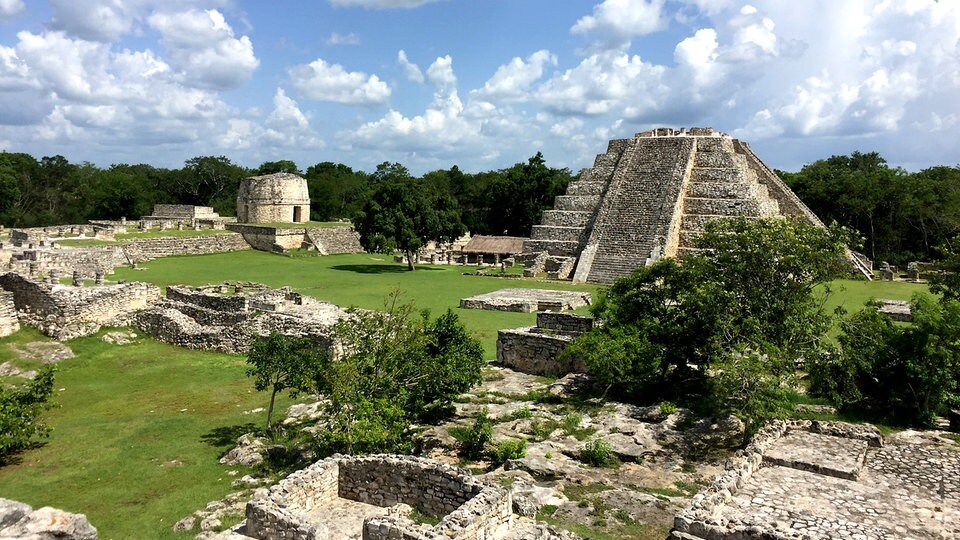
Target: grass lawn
x,y
852,294
362,280
136,435
152,233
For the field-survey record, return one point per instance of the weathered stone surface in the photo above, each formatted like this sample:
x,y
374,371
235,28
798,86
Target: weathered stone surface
x,y
64,312
537,350
18,520
350,494
785,485
8,314
527,300
273,198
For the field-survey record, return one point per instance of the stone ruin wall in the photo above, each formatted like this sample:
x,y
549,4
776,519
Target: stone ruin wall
x,y
537,350
8,314
699,519
204,318
183,211
468,509
145,249
335,240
64,312
272,239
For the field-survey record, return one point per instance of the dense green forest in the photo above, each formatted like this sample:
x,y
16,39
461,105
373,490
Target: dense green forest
x,y
902,216
53,190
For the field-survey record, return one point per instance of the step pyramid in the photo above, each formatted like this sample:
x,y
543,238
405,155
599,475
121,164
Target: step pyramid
x,y
647,197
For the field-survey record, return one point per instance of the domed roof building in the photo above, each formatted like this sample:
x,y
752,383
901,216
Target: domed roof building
x,y
273,198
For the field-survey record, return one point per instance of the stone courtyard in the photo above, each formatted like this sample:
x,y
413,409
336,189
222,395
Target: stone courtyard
x,y
796,482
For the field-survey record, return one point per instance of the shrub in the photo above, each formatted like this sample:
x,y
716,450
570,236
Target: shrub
x,y
474,441
508,449
598,453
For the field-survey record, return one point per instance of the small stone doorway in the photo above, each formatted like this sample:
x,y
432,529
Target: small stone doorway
x,y
297,214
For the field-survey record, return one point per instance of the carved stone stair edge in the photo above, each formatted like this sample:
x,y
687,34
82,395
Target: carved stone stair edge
x,y
592,243
673,233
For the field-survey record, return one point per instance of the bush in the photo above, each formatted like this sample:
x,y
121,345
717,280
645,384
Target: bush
x,y
598,453
20,409
508,449
473,442
904,374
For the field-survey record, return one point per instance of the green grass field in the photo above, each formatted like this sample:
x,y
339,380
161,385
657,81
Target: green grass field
x,y
361,280
139,427
136,435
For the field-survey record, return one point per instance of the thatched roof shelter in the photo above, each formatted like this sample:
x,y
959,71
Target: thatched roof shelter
x,y
494,245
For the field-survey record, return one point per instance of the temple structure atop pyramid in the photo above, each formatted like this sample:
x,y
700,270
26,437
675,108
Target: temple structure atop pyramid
x,y
646,197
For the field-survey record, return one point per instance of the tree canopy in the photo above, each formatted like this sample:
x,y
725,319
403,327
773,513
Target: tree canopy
x,y
747,303
403,214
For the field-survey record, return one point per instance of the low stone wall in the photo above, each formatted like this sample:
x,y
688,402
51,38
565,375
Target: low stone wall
x,y
64,312
202,297
564,322
530,351
700,518
469,510
334,240
8,314
145,249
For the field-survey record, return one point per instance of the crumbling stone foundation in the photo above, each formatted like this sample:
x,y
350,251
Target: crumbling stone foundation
x,y
307,504
536,350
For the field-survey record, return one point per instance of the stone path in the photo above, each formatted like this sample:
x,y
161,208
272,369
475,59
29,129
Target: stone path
x,y
813,486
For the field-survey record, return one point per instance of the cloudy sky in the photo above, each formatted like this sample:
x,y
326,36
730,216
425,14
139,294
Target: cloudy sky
x,y
478,83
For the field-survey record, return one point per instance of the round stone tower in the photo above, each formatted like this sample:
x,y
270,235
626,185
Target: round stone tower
x,y
273,198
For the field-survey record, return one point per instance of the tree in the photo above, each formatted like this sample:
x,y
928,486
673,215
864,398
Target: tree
x,y
899,373
282,166
731,321
278,363
208,181
20,410
516,200
336,190
395,370
401,214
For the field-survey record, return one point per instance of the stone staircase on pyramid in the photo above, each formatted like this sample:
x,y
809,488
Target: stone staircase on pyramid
x,y
647,197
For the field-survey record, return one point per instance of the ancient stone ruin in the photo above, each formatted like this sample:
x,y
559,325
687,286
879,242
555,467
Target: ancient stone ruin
x,y
536,350
9,323
813,480
181,215
645,198
273,198
346,497
64,312
228,317
527,300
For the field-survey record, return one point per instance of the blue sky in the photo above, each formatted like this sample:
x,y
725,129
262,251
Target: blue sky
x,y
481,84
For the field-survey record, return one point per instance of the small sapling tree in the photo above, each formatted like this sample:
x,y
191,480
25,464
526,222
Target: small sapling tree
x,y
278,362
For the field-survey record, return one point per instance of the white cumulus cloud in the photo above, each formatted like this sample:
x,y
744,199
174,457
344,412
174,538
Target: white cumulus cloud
x,y
512,81
321,81
409,68
203,48
618,21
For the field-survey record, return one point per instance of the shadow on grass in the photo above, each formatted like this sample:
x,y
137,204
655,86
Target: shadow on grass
x,y
227,435
379,268
16,457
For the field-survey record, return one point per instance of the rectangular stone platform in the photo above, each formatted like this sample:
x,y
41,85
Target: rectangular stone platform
x,y
527,300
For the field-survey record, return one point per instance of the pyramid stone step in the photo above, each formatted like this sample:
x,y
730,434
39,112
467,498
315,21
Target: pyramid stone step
x,y
580,203
687,238
553,247
565,218
721,190
585,188
550,232
722,207
713,159
711,144
704,174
